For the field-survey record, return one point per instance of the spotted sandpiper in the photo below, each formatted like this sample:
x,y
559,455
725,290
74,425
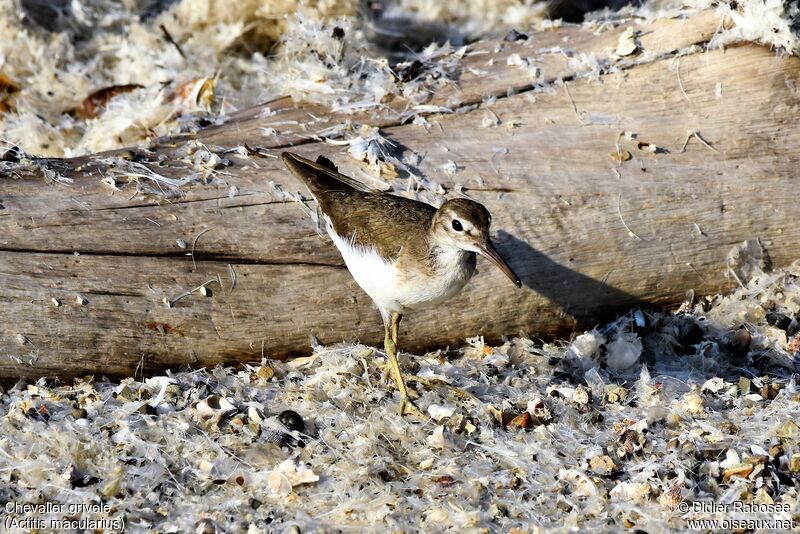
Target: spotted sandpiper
x,y
405,254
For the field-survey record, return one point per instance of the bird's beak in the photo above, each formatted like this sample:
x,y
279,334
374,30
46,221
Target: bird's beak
x,y
487,250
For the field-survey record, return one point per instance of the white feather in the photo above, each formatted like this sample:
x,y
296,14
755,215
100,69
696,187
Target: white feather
x,y
374,274
413,290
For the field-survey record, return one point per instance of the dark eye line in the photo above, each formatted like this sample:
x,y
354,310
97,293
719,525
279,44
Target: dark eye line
x,y
457,225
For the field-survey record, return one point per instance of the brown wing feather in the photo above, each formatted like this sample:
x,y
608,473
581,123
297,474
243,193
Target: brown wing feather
x,y
369,218
325,162
319,177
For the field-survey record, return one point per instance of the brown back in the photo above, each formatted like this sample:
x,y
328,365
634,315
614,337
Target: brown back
x,y
369,218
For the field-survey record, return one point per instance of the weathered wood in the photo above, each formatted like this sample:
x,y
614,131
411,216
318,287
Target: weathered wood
x,y
483,73
588,236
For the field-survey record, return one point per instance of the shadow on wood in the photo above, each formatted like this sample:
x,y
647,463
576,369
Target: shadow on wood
x,y
570,291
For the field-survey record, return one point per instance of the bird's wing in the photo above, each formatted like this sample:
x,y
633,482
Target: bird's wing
x,y
365,216
385,222
321,176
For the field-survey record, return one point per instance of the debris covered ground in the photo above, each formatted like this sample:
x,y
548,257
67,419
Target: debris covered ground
x,y
615,429
83,77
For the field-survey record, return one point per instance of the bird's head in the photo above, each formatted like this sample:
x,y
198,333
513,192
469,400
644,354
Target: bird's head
x,y
465,224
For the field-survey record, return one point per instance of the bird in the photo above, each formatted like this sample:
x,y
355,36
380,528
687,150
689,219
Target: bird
x,y
405,254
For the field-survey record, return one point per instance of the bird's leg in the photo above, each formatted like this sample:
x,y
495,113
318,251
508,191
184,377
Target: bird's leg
x,y
396,318
390,324
430,384
390,344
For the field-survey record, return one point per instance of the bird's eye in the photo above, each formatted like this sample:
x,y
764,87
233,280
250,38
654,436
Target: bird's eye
x,y
457,225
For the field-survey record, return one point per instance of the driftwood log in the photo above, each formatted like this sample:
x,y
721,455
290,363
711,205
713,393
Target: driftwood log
x,y
84,270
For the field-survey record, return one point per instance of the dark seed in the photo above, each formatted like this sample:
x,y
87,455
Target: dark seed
x,y
740,343
205,526
292,420
778,320
521,422
769,391
12,155
338,33
514,35
445,481
38,413
81,481
689,335
408,72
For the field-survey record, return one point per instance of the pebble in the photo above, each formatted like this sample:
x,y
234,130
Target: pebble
x,y
445,481
254,414
292,420
514,35
173,390
214,405
738,470
522,421
265,372
740,343
205,526
769,391
580,396
616,394
744,385
789,430
539,411
602,465
794,463
778,320
714,385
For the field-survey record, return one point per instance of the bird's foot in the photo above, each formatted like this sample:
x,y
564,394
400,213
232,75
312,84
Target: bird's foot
x,y
386,373
432,383
409,408
386,370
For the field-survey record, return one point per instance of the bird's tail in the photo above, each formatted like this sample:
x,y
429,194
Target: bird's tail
x,y
320,176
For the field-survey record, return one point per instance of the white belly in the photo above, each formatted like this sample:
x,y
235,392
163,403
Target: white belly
x,y
376,276
400,294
